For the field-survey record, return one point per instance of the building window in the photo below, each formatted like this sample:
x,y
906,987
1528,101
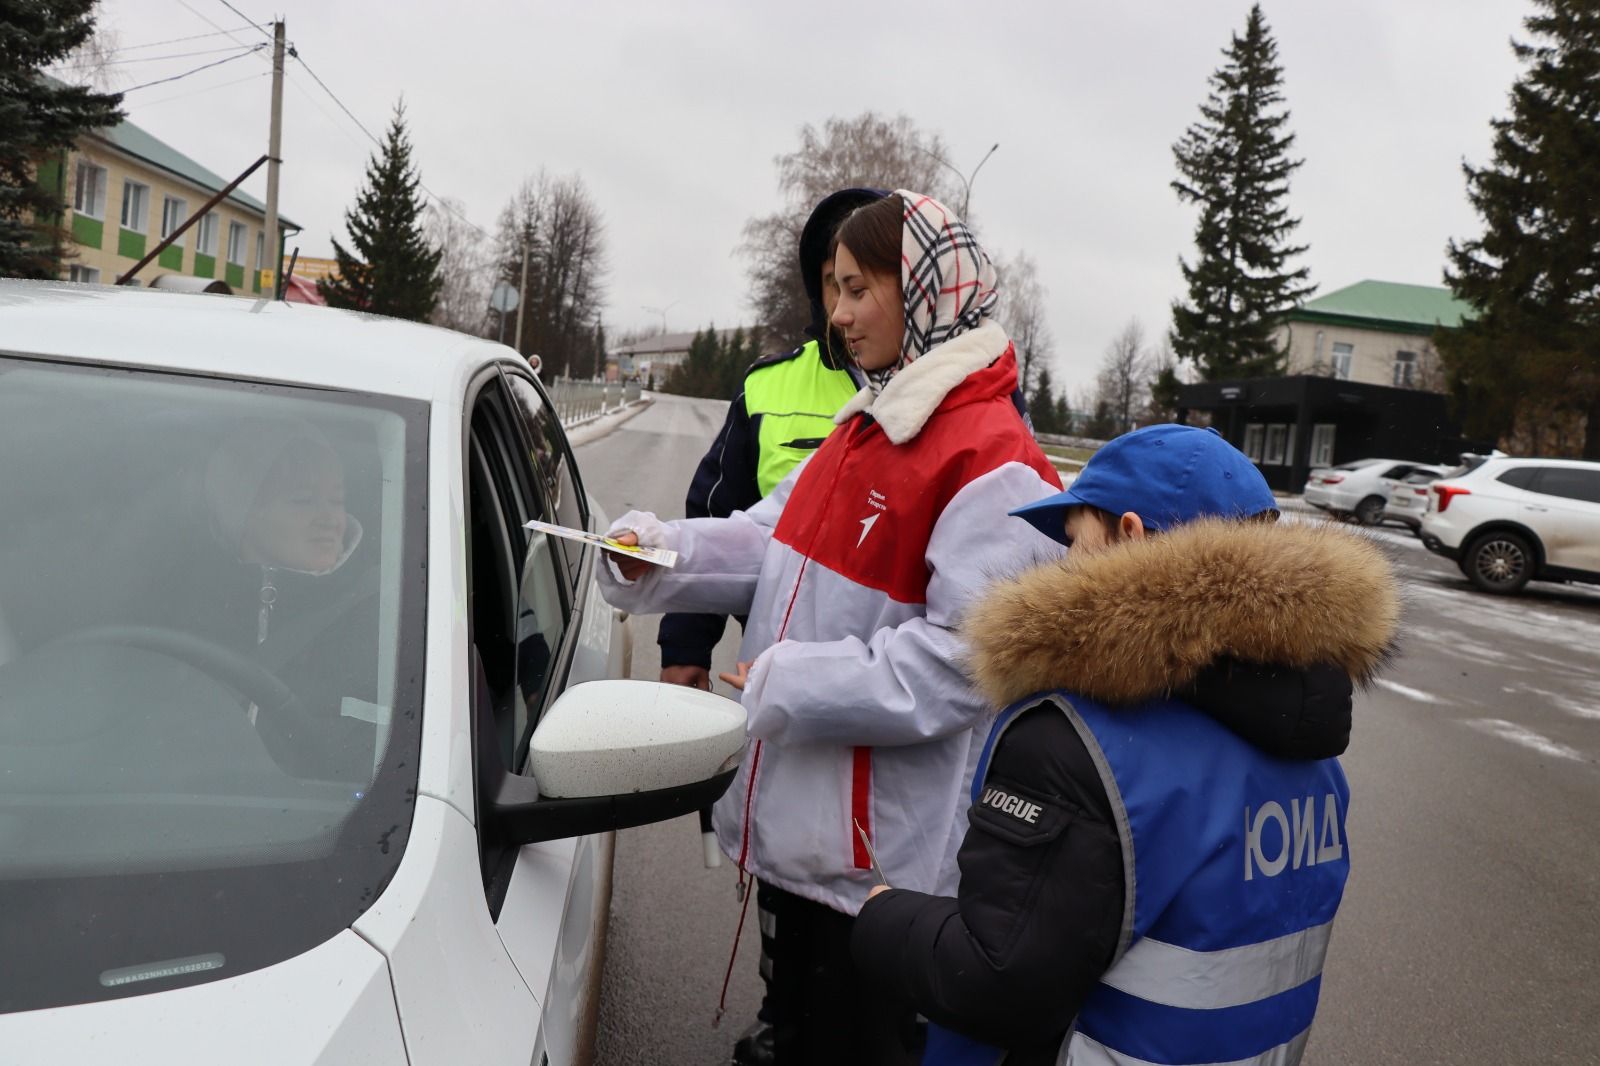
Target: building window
x,y
207,242
173,212
1322,445
135,206
261,249
1252,442
89,197
1316,348
1288,447
1276,436
236,232
87,275
1405,370
1343,355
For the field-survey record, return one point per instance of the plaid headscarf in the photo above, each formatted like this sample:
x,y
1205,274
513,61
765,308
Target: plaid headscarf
x,y
947,280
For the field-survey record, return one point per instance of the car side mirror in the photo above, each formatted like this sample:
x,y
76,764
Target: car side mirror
x,y
615,754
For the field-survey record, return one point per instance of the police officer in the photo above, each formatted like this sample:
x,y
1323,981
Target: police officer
x,y
782,414
1144,880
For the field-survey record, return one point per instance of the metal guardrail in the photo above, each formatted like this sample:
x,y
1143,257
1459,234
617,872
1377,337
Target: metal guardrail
x,y
576,401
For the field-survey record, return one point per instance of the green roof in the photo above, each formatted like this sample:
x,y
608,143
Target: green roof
x,y
1386,305
135,141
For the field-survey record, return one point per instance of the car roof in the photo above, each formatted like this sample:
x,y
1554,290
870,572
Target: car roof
x,y
1519,460
234,337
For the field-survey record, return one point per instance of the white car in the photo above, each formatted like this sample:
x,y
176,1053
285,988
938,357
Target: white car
x,y
1506,521
1360,489
1408,501
309,751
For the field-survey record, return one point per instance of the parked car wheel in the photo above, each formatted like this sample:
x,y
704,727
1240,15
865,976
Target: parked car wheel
x,y
1369,512
1499,562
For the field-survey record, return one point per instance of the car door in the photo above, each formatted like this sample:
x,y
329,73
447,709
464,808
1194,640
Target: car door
x,y
1564,509
551,898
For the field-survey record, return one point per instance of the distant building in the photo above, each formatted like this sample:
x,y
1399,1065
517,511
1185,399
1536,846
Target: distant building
x,y
1376,332
126,190
654,355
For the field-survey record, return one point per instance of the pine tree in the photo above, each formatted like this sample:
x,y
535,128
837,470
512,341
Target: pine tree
x,y
1234,164
39,120
391,269
1532,353
1042,405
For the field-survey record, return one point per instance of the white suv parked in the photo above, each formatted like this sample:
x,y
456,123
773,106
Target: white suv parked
x,y
1508,521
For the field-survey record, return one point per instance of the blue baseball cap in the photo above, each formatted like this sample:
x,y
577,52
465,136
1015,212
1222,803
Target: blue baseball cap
x,y
1166,474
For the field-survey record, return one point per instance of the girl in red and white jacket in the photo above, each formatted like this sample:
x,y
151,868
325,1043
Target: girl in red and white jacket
x,y
854,573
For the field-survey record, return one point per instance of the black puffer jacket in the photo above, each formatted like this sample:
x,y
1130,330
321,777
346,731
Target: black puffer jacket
x,y
1010,961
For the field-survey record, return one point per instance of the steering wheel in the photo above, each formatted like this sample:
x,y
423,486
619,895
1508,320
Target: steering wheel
x,y
250,679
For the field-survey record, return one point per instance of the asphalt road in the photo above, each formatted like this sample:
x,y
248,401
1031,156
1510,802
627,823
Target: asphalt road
x,y
1470,930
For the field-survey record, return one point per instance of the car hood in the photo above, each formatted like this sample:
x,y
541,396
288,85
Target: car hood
x,y
331,1006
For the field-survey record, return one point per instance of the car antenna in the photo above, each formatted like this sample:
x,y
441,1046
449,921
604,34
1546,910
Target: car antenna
x,y
283,282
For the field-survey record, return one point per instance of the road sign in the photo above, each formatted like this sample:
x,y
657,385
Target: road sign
x,y
503,299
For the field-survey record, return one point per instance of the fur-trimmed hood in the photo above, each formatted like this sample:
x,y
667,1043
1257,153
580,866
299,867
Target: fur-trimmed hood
x,y
1141,618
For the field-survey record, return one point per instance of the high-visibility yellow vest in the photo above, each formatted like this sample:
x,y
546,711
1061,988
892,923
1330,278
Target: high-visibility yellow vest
x,y
794,396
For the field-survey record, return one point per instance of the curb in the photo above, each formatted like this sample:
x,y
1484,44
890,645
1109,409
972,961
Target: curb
x,y
592,428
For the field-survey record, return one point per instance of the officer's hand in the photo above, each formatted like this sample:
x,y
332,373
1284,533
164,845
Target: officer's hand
x,y
877,889
739,679
692,676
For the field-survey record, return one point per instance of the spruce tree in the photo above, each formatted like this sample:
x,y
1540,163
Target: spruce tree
x,y
1532,353
390,269
1234,163
1042,405
40,119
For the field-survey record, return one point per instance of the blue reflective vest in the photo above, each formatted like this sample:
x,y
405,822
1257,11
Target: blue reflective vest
x,y
1234,864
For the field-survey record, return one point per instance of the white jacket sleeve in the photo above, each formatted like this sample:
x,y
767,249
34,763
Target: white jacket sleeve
x,y
719,559
906,684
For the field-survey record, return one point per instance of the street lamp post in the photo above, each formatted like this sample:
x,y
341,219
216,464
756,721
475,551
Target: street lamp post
x,y
967,179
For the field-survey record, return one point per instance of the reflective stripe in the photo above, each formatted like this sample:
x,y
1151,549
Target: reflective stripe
x,y
1079,1050
1209,980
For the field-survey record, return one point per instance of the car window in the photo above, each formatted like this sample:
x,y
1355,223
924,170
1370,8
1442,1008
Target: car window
x,y
1570,482
552,457
213,596
1520,477
1422,477
1397,472
521,609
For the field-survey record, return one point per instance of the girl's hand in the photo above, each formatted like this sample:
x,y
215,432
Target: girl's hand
x,y
876,889
631,569
740,679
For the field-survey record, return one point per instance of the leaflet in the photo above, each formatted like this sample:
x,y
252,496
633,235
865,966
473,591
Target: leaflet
x,y
658,556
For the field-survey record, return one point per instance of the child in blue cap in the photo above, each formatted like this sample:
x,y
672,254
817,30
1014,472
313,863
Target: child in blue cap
x,y
1144,880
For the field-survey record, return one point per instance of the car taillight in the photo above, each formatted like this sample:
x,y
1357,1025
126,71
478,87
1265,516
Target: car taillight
x,y
1420,492
1448,493
1332,479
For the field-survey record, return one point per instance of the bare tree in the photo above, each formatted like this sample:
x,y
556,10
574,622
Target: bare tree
x,y
466,268
1124,375
865,151
564,235
91,63
1022,310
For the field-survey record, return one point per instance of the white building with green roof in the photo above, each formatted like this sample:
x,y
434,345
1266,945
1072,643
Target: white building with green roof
x,y
126,190
1377,332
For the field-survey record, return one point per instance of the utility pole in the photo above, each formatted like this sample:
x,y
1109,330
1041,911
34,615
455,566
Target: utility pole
x,y
274,143
522,295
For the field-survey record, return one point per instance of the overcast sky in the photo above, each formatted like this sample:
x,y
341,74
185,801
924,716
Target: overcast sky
x,y
673,112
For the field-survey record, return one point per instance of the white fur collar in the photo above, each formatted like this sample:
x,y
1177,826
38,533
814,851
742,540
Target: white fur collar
x,y
911,396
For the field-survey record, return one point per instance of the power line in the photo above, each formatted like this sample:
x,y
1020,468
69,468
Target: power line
x,y
196,70
176,55
248,21
257,76
226,33
169,40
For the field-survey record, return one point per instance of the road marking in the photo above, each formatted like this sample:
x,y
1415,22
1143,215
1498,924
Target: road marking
x,y
1408,692
1516,734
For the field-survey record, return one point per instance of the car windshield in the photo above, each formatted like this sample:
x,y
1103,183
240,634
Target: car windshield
x,y
1357,464
1422,477
208,717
